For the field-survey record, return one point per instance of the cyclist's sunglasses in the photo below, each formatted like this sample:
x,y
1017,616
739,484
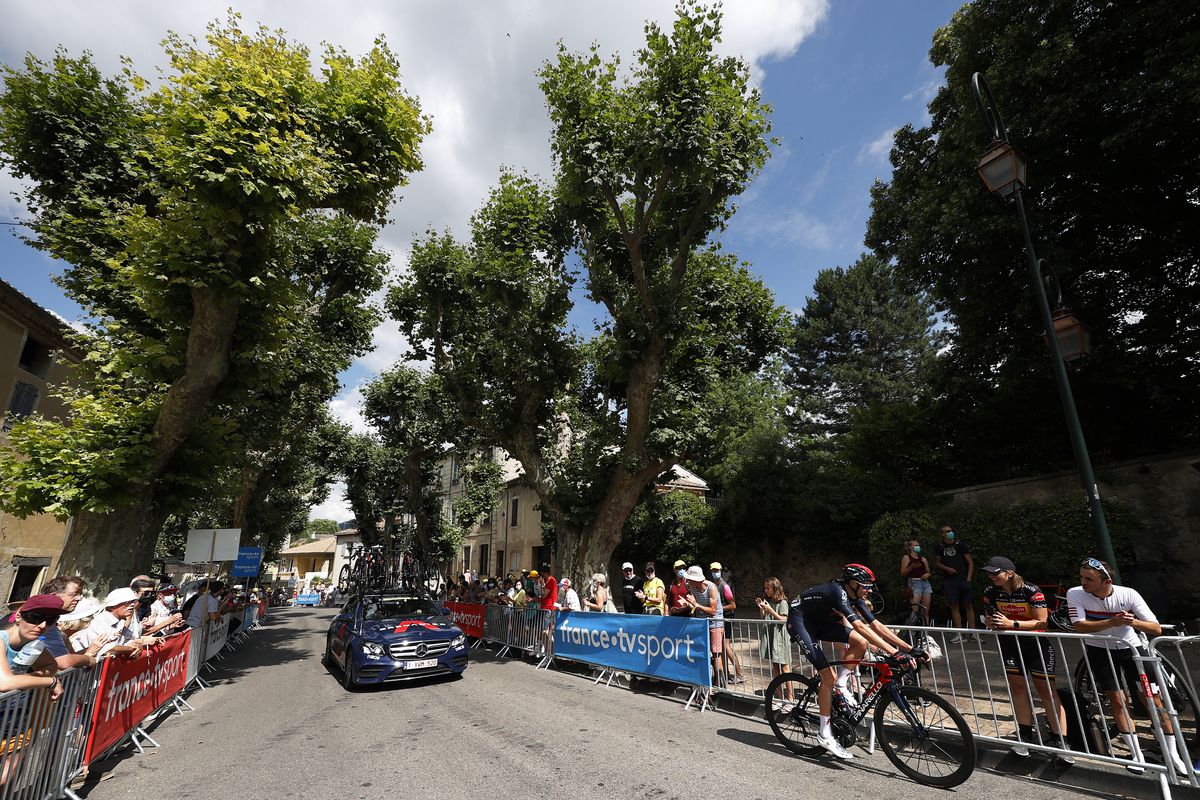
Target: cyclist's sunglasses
x,y
37,618
1092,563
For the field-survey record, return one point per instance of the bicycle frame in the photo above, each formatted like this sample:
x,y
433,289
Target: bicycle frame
x,y
885,678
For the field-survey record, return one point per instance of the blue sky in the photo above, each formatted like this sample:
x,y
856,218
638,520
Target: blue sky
x,y
841,76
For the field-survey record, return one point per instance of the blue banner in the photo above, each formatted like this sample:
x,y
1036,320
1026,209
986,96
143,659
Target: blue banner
x,y
247,562
313,599
672,648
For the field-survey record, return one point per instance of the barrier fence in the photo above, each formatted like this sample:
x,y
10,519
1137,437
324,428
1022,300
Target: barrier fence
x,y
992,677
46,744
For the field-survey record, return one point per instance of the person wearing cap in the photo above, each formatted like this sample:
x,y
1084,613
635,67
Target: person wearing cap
x,y
728,607
653,593
630,586
600,599
677,605
28,664
117,619
705,603
1013,604
569,598
74,622
69,589
157,618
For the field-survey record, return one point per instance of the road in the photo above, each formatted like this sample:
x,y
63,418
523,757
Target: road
x,y
276,724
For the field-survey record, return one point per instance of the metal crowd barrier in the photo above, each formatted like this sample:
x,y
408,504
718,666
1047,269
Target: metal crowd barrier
x,y
527,629
43,743
971,674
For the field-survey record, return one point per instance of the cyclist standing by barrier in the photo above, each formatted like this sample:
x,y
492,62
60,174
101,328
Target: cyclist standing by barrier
x,y
1012,604
821,614
1119,614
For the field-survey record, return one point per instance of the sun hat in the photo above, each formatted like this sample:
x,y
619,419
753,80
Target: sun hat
x,y
627,565
533,573
87,607
43,602
694,573
119,597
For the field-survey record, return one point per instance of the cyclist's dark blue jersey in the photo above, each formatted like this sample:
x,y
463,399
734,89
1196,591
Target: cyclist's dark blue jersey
x,y
824,602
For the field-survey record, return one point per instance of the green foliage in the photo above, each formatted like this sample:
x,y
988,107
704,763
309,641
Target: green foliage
x,y
1113,157
483,481
320,527
1045,540
666,526
220,227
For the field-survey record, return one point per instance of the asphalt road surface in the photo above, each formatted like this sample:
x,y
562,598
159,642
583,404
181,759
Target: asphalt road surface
x,y
276,724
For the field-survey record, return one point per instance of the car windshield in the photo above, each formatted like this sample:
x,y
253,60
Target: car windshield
x,y
396,607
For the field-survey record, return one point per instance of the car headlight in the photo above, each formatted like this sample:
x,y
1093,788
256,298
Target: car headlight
x,y
372,650
458,641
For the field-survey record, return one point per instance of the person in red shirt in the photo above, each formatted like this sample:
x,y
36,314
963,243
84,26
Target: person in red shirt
x,y
678,606
549,588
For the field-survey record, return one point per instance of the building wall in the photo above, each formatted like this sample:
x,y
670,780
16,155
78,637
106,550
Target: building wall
x,y
30,548
518,539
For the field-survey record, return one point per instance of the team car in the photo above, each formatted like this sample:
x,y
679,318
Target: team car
x,y
379,638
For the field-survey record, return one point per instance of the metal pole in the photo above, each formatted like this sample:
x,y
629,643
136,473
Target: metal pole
x,y
1082,461
994,124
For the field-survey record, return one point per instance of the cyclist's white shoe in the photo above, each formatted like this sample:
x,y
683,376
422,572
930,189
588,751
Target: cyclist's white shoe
x,y
1020,750
833,746
848,696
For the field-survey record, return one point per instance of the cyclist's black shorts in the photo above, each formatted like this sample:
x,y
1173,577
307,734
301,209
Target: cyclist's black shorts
x,y
810,634
1122,663
1031,655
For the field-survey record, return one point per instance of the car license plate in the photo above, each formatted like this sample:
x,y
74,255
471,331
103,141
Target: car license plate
x,y
428,662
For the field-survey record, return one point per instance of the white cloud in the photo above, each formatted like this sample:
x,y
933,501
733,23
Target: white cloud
x,y
335,507
790,227
926,91
878,149
11,209
347,408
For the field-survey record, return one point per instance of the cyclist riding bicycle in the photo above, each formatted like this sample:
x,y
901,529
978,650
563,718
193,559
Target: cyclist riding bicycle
x,y
822,614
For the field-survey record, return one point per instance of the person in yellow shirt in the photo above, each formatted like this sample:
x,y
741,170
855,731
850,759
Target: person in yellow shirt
x,y
653,593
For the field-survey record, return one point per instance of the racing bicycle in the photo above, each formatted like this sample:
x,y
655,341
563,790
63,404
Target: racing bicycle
x,y
919,731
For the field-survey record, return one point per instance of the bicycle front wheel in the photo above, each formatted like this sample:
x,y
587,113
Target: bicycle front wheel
x,y
925,737
791,707
343,583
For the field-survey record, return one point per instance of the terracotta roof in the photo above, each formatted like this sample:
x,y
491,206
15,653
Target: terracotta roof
x,y
316,548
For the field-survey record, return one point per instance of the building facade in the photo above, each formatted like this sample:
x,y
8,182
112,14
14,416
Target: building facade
x,y
35,357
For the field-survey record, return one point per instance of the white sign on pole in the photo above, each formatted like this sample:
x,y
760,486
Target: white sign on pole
x,y
206,545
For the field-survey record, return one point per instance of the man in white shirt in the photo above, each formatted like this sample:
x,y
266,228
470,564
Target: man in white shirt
x,y
568,597
206,605
1119,616
117,619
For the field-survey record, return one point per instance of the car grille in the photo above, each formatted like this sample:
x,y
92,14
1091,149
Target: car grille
x,y
409,650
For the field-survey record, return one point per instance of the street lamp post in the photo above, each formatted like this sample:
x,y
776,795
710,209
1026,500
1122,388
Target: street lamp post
x,y
1002,169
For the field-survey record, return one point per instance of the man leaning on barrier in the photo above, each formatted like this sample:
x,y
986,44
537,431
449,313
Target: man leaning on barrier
x,y
1120,616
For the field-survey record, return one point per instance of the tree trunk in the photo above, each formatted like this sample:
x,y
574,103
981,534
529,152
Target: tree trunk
x,y
251,473
109,549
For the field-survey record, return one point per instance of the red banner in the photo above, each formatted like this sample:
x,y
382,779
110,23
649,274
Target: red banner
x,y
133,688
468,616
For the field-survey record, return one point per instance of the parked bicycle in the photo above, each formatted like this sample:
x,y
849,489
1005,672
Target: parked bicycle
x,y
920,732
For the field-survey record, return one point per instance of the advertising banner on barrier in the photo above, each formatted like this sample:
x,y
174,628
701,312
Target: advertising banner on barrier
x,y
131,689
672,648
218,632
468,616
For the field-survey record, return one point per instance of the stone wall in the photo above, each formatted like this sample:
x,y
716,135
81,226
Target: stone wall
x,y
1165,491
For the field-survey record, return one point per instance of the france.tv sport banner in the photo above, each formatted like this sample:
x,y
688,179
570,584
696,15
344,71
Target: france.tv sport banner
x,y
132,688
469,617
672,648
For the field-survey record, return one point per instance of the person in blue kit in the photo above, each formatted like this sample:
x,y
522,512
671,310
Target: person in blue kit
x,y
837,612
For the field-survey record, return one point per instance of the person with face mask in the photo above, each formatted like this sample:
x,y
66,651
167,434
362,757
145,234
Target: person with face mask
x,y
914,568
677,603
956,565
728,605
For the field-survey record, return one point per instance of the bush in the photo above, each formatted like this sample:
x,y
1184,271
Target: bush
x,y
1045,540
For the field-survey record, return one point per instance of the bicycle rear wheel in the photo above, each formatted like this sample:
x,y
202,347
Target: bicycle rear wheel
x,y
925,737
791,709
343,583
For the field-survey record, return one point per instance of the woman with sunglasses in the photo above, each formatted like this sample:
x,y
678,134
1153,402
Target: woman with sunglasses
x,y
27,666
